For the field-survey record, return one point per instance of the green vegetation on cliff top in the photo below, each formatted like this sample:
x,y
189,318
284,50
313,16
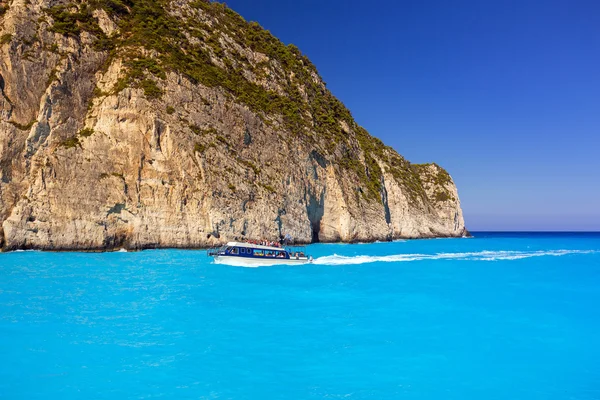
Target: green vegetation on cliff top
x,y
155,38
147,26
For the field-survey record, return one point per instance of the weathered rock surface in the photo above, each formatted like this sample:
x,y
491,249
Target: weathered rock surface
x,y
98,152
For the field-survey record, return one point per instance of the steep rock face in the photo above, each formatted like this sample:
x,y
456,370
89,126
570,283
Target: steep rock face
x,y
144,124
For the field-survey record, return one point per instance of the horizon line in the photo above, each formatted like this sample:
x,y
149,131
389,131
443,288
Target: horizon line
x,y
534,231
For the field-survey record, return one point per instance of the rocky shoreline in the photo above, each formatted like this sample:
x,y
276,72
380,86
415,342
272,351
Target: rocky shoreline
x,y
130,250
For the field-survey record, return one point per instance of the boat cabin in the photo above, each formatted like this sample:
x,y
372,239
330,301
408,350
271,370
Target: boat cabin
x,y
255,251
236,249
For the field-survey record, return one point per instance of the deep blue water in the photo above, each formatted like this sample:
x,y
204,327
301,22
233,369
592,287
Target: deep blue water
x,y
500,316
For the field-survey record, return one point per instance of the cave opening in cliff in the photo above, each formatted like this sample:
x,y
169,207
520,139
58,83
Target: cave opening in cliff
x,y
315,210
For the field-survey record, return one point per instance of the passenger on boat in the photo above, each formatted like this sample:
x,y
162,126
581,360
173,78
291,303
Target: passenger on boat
x,y
264,242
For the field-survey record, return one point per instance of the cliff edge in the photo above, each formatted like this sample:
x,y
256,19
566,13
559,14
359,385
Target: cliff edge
x,y
156,123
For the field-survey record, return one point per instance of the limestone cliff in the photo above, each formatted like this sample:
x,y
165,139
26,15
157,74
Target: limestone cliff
x,y
157,123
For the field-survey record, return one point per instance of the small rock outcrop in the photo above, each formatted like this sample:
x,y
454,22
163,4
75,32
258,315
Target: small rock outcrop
x,y
175,123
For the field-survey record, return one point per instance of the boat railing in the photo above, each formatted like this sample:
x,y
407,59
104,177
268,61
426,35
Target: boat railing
x,y
293,250
213,251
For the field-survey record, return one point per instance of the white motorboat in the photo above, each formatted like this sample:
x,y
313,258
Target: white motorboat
x,y
249,254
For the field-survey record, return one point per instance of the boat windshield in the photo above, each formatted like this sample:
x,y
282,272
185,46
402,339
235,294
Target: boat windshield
x,y
223,249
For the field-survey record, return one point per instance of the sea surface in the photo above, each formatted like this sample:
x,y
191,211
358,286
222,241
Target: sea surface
x,y
498,316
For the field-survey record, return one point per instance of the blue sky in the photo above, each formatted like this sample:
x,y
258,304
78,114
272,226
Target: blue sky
x,y
504,94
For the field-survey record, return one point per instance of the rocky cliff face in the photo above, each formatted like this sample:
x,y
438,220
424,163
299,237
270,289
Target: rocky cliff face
x,y
156,123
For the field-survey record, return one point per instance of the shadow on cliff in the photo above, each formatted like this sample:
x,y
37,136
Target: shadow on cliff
x,y
315,210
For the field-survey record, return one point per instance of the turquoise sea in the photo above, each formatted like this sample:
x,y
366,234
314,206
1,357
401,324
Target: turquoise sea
x,y
499,316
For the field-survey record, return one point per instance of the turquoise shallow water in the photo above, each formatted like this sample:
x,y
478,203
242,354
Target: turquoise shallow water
x,y
495,317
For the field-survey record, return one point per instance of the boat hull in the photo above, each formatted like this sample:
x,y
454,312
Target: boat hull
x,y
257,262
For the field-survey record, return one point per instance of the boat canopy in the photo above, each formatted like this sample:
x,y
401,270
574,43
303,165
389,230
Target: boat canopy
x,y
253,246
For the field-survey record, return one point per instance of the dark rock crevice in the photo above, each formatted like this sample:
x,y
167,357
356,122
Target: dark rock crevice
x,y
280,212
6,106
318,157
384,200
247,137
116,241
116,209
315,209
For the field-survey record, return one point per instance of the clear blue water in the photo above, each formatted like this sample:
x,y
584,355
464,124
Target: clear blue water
x,y
501,316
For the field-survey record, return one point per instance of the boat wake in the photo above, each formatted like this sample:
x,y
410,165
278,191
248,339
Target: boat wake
x,y
476,256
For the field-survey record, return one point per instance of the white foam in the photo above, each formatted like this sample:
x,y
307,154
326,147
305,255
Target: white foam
x,y
484,255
